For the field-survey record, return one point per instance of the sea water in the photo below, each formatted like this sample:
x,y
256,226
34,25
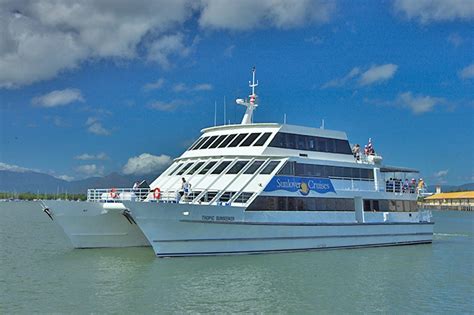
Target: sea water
x,y
41,272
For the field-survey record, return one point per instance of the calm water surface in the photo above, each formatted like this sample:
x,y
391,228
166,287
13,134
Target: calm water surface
x,y
40,272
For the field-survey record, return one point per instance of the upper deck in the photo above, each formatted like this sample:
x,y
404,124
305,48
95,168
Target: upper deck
x,y
272,140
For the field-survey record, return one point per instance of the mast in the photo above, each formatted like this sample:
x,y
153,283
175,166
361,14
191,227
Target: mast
x,y
252,103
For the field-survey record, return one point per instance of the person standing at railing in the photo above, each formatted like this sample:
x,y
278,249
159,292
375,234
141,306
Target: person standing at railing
x,y
356,151
186,187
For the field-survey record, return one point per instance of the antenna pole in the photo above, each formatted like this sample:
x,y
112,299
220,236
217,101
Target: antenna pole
x,y
215,113
225,112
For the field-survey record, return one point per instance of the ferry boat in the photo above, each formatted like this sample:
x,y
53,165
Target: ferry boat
x,y
267,187
97,223
254,188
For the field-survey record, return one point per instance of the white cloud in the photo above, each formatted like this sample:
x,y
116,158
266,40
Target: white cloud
x,y
419,103
39,39
455,39
182,87
250,14
158,84
342,81
90,169
441,174
146,164
58,98
179,87
14,168
202,87
168,106
95,126
377,74
426,11
86,156
467,72
166,46
65,177
229,51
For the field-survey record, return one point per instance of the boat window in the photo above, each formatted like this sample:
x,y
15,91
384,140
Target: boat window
x,y
310,143
227,140
207,167
250,139
221,167
243,197
288,169
261,141
254,167
347,172
237,140
195,168
218,141
200,143
226,196
270,167
237,167
207,197
301,142
355,172
208,142
342,146
194,144
313,170
185,168
321,144
175,169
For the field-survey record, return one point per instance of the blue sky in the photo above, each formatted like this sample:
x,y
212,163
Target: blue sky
x,y
93,88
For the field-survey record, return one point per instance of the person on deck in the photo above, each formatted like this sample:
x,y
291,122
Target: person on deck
x,y
186,187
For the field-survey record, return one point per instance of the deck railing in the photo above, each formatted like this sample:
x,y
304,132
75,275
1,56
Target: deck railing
x,y
111,195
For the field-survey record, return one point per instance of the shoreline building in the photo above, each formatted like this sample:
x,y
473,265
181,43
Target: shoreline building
x,y
460,200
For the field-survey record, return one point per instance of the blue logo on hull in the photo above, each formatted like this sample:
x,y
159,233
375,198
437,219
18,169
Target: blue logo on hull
x,y
302,185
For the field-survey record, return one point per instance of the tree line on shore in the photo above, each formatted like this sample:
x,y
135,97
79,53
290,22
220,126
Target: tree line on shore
x,y
35,196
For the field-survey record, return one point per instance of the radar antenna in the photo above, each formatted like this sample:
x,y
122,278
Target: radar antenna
x,y
252,103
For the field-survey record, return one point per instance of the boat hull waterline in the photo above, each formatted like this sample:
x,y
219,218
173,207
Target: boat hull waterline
x,y
91,225
175,230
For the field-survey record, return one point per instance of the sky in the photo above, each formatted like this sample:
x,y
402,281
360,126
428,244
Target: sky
x,y
93,87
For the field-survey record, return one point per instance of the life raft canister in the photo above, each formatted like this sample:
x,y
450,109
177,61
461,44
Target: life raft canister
x,y
113,193
157,193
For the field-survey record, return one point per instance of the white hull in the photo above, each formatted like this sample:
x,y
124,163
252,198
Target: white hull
x,y
89,225
171,233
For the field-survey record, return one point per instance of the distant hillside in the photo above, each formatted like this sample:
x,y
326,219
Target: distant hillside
x,y
28,181
449,188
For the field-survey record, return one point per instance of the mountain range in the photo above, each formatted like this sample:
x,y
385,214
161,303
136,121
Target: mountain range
x,y
35,182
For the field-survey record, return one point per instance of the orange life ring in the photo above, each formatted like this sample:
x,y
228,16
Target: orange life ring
x,y
113,193
157,193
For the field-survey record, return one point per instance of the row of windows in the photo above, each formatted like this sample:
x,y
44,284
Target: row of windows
x,y
189,169
390,205
310,143
243,197
313,170
270,203
231,141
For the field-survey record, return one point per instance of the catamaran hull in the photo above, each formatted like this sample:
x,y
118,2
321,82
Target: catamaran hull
x,y
192,230
89,225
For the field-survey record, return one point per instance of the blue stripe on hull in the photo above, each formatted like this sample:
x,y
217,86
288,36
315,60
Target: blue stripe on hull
x,y
162,255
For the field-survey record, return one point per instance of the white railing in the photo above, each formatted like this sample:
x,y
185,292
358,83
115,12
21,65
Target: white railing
x,y
107,195
117,194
